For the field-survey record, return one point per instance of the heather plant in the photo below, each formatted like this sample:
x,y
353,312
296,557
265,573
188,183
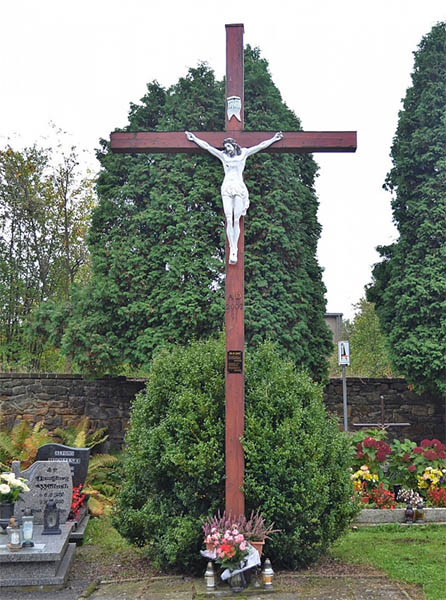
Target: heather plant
x,y
254,528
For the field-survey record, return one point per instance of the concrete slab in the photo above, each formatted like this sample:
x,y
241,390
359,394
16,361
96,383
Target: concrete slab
x,y
46,564
40,577
292,588
374,516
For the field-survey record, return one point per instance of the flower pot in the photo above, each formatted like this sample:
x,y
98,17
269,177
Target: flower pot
x,y
6,512
258,546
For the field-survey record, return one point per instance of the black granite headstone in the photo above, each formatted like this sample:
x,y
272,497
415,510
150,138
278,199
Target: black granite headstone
x,y
77,458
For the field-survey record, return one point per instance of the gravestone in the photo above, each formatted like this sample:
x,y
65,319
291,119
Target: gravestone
x,y
77,458
48,562
46,481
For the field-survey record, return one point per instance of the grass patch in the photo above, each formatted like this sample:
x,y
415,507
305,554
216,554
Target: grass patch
x,y
106,555
415,554
101,533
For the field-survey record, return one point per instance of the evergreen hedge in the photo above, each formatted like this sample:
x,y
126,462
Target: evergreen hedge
x,y
296,458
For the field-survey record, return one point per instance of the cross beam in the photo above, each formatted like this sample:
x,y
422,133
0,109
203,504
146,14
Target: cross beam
x,y
174,141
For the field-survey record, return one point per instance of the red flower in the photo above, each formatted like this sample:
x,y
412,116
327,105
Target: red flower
x,y
426,443
359,446
411,468
406,457
227,550
417,450
384,447
441,454
430,454
370,442
438,445
360,454
381,456
437,496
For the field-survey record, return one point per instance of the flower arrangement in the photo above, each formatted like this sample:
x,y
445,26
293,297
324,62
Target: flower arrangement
x,y
371,450
432,478
419,468
409,497
382,497
77,501
231,548
363,482
437,497
11,487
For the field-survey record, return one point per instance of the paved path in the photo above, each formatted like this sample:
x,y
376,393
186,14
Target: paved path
x,y
287,587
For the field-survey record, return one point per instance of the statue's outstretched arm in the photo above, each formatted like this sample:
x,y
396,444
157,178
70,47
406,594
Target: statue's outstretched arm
x,y
276,137
193,138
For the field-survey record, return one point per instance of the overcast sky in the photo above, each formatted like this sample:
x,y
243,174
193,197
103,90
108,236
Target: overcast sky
x,y
339,64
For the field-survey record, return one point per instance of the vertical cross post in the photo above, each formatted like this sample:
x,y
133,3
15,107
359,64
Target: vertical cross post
x,y
176,141
234,315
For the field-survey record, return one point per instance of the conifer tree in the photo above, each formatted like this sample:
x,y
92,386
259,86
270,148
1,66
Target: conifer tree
x,y
157,238
409,286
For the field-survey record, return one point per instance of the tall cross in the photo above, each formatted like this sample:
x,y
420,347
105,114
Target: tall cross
x,y
176,141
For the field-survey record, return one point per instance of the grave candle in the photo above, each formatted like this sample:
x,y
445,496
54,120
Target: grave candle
x,y
28,528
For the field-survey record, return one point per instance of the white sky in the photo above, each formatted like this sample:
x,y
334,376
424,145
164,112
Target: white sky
x,y
339,64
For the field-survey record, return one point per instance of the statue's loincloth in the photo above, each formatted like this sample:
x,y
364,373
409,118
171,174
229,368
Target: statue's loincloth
x,y
233,189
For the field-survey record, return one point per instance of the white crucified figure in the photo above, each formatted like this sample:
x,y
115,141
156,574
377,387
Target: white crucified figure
x,y
234,192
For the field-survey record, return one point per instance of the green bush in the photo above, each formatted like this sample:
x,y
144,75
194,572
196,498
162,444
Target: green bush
x,y
296,458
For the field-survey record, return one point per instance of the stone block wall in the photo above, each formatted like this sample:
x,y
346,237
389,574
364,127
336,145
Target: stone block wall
x,y
425,412
61,400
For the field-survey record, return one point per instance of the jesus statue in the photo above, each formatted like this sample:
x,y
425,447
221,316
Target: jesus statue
x,y
234,192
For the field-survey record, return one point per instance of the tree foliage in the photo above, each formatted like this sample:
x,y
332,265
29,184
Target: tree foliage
x,y
157,237
296,469
368,351
409,286
44,210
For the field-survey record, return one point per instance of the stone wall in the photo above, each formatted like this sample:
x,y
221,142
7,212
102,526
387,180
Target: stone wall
x,y
60,400
425,413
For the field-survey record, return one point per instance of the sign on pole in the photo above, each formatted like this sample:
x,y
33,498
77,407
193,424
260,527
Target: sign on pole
x,y
344,361
344,354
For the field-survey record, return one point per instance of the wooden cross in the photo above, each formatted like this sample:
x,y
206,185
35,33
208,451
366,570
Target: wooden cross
x,y
176,141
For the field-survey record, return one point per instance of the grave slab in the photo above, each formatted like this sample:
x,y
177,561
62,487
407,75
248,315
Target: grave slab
x,y
47,564
374,516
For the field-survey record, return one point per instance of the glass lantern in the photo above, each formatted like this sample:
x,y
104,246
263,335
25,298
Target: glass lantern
x,y
27,529
51,519
14,535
